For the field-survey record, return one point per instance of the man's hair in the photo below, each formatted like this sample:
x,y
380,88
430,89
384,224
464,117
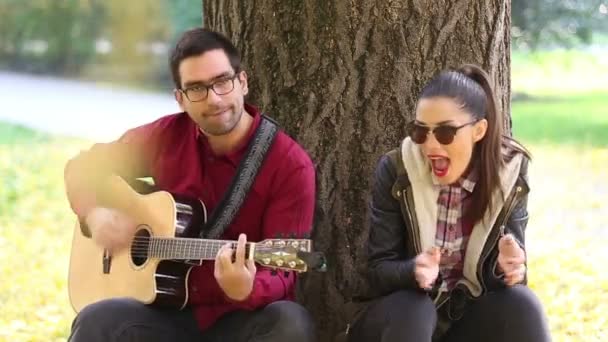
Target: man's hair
x,y
196,42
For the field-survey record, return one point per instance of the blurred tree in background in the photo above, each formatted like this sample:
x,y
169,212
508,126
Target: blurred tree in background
x,y
42,36
132,42
128,41
557,23
109,40
184,15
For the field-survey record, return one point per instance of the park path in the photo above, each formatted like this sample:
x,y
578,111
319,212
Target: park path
x,y
76,108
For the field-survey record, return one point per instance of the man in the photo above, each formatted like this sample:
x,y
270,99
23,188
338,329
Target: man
x,y
196,154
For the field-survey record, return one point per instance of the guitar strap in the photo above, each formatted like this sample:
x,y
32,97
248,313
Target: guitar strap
x,y
247,170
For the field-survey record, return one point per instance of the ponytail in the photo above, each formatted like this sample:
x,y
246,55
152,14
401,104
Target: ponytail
x,y
470,87
488,150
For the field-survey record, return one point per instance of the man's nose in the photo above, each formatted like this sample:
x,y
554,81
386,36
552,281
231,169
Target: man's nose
x,y
212,97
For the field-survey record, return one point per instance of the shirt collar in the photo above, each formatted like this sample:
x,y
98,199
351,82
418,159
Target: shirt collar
x,y
466,181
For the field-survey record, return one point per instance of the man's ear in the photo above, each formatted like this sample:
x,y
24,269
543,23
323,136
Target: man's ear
x,y
243,80
479,129
179,97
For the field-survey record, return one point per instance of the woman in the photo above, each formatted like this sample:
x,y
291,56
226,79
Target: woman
x,y
448,214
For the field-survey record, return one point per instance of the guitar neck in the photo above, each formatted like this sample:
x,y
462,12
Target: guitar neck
x,y
183,248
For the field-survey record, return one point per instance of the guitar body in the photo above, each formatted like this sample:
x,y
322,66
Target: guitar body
x,y
128,272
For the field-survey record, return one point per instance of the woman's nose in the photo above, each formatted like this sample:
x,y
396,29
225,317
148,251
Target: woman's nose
x,y
431,142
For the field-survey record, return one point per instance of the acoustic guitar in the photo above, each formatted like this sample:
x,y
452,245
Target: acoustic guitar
x,y
154,268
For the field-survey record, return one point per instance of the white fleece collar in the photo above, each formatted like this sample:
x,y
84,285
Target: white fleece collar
x,y
425,196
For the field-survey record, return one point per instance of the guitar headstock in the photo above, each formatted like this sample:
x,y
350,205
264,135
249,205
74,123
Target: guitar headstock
x,y
283,254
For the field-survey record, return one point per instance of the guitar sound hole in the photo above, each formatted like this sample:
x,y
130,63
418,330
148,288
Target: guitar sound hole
x,y
139,247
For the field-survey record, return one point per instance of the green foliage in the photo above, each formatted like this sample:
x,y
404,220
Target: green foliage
x,y
11,135
538,23
184,14
107,40
45,35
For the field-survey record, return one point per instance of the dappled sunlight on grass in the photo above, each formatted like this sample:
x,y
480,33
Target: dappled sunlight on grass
x,y
568,224
566,237
36,227
563,121
568,214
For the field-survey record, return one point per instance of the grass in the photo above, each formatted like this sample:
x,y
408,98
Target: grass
x,y
564,239
559,72
559,112
567,119
12,134
35,227
560,98
568,208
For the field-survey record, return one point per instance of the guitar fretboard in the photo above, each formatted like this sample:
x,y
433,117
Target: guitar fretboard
x,y
182,248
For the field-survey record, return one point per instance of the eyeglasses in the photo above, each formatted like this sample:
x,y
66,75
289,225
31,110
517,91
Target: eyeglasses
x,y
443,133
200,92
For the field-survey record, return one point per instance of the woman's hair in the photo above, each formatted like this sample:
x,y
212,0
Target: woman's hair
x,y
470,87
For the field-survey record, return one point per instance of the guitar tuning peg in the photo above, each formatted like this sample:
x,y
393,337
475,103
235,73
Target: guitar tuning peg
x,y
306,235
286,274
273,272
292,235
279,235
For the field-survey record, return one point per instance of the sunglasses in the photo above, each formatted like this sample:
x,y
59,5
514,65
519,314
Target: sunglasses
x,y
443,133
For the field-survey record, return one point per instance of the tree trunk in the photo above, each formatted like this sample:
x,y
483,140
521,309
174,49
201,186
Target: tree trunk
x,y
342,77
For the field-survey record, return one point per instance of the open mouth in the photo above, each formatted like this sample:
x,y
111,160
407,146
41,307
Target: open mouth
x,y
440,165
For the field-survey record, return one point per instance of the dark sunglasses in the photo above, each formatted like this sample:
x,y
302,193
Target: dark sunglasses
x,y
443,133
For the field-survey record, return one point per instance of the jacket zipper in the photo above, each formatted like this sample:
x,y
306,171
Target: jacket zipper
x,y
415,230
501,231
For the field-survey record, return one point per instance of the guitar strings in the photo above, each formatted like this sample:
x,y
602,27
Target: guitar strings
x,y
143,246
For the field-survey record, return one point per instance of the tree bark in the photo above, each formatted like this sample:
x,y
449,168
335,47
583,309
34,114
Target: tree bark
x,y
342,77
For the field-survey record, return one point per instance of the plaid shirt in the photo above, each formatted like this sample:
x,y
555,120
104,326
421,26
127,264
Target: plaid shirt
x,y
453,231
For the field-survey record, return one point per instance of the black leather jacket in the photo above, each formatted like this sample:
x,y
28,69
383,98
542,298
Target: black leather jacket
x,y
393,239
